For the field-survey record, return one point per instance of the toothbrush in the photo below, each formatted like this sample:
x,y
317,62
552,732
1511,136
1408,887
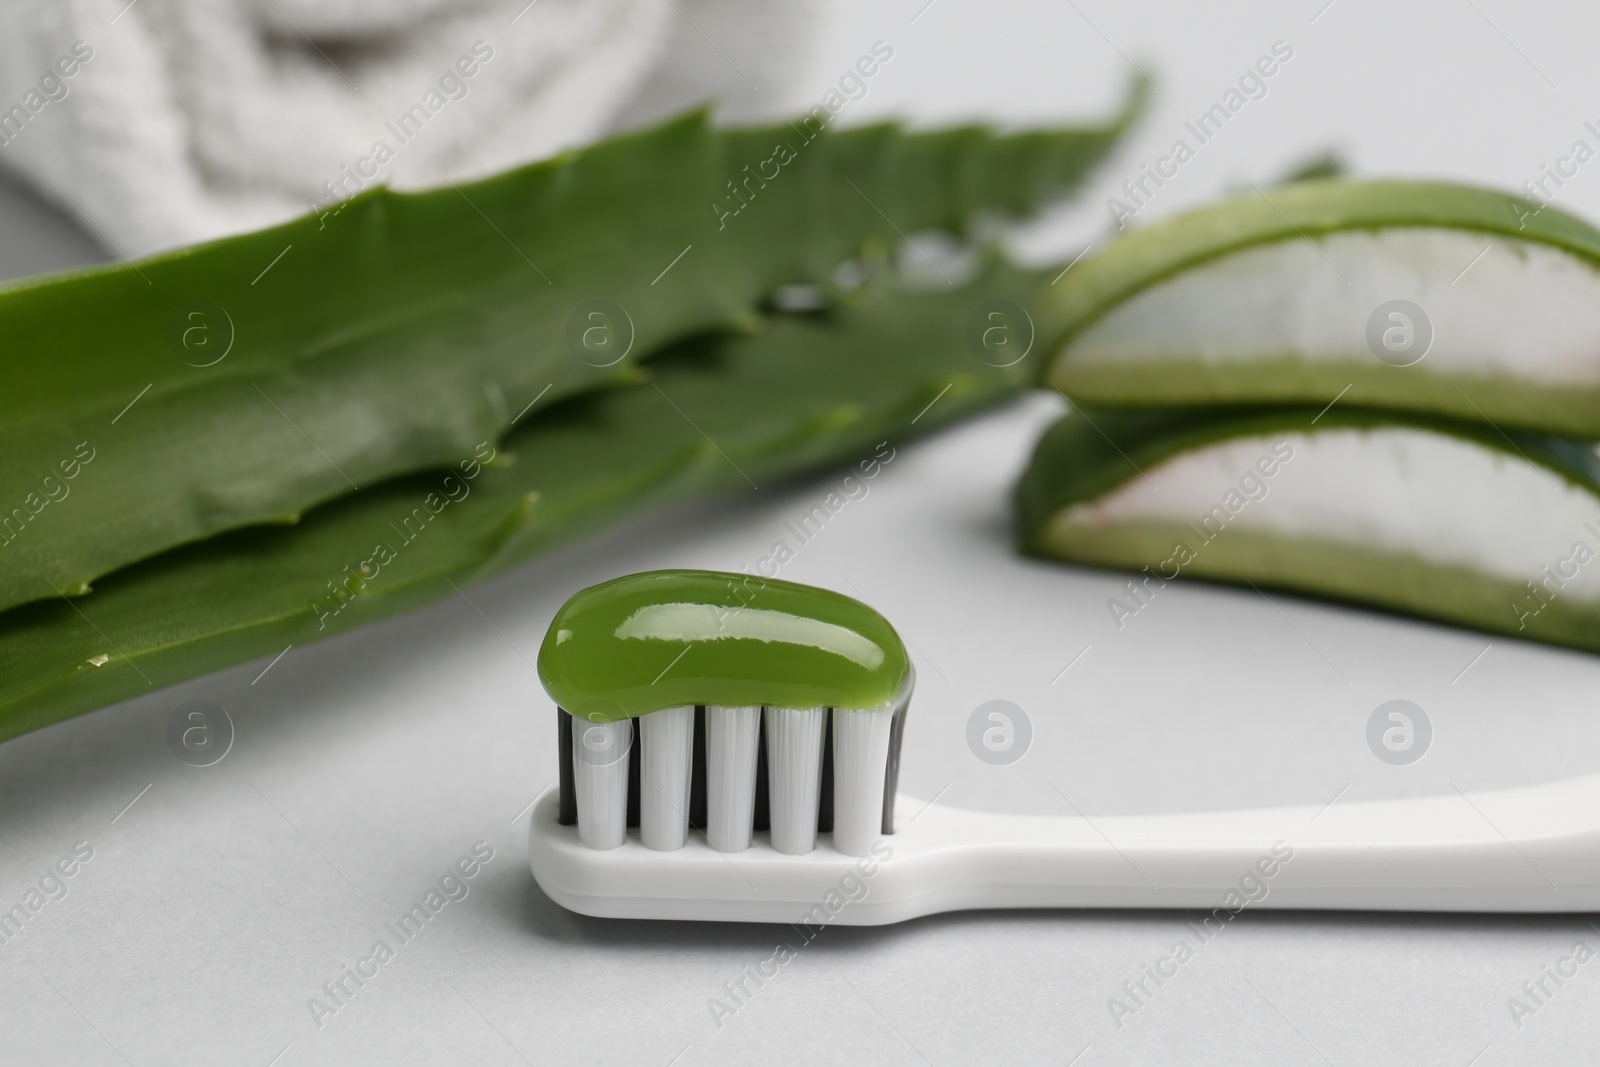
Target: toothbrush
x,y
729,751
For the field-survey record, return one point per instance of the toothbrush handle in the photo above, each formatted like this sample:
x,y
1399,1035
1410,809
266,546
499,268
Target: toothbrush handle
x,y
1529,849
1534,849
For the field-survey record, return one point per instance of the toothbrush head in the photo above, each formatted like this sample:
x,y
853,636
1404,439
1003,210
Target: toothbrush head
x,y
702,712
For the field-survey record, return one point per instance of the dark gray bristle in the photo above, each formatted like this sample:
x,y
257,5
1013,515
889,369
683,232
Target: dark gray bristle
x,y
891,780
763,807
825,796
697,772
569,796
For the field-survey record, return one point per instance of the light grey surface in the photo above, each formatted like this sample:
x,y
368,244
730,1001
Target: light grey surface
x,y
37,237
223,897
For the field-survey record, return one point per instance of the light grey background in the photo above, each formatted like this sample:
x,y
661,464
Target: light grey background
x,y
223,897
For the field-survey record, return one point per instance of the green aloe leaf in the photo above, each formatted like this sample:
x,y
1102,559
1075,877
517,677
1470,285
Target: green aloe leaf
x,y
1376,508
1458,301
852,384
151,404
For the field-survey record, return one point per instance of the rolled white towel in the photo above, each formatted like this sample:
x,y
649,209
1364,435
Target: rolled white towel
x,y
164,122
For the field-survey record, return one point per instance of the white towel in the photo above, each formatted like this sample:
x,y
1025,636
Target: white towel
x,y
163,122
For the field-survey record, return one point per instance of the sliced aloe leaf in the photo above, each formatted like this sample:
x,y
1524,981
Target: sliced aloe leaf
x,y
851,385
150,404
1443,519
1438,298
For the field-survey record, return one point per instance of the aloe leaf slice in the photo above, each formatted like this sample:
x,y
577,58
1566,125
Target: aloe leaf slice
x,y
1370,507
1408,295
150,404
853,384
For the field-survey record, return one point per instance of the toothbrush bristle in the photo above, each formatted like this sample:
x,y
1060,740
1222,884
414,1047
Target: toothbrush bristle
x,y
860,768
731,760
603,779
794,775
728,772
666,740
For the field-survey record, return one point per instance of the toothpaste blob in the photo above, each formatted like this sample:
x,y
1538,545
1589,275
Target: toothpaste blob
x,y
665,639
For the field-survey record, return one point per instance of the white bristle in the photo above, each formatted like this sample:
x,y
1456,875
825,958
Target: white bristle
x,y
860,764
600,780
732,734
667,740
794,776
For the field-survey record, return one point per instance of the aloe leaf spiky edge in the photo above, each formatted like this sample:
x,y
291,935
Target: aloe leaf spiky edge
x,y
1308,210
393,334
1077,461
803,393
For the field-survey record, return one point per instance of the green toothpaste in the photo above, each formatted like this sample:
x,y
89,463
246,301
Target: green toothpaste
x,y
664,639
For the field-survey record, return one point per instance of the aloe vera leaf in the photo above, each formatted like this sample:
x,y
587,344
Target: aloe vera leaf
x,y
1369,507
1289,295
395,333
848,385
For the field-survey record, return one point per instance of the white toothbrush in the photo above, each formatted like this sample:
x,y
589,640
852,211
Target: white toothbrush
x,y
1532,849
883,859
